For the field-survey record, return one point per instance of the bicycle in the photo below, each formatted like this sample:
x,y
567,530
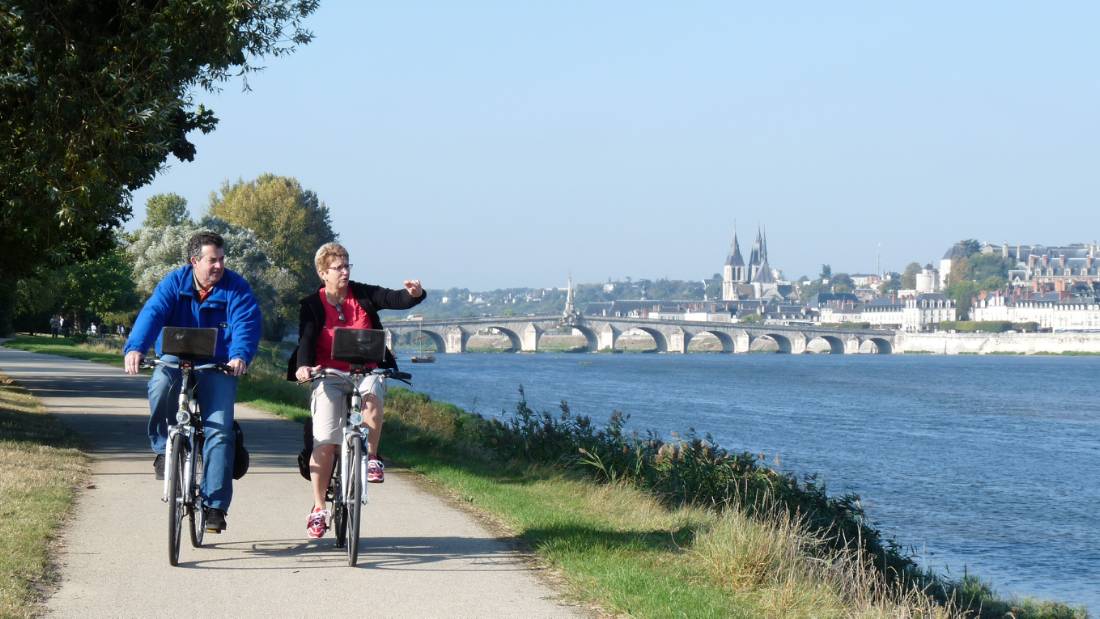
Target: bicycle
x,y
347,492
183,453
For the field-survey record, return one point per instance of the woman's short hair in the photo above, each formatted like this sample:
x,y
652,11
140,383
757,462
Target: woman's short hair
x,y
326,253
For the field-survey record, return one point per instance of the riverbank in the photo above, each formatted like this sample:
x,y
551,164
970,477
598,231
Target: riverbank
x,y
615,544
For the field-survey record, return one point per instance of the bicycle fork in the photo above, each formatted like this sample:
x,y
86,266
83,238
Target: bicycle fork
x,y
182,427
354,431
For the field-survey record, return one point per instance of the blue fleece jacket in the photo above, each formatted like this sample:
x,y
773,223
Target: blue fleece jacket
x,y
231,308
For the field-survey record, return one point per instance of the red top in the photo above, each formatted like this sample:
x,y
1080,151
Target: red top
x,y
354,317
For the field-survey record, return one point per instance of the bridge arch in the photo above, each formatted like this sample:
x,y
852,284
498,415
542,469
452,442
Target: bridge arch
x,y
782,341
876,346
724,339
591,340
659,338
835,344
514,339
437,339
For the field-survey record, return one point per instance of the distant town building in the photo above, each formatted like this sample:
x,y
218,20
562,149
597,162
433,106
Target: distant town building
x,y
1038,268
920,313
1056,311
1053,269
865,280
928,280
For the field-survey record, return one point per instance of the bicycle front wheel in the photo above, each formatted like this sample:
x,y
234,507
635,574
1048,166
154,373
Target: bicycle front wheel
x,y
339,508
196,514
355,496
174,468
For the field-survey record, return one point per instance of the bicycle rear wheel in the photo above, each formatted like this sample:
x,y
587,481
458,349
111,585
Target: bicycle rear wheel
x,y
355,498
174,468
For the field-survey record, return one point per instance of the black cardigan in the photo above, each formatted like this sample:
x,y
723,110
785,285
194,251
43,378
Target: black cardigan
x,y
311,318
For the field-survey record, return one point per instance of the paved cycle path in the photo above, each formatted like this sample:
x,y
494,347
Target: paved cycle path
x,y
419,557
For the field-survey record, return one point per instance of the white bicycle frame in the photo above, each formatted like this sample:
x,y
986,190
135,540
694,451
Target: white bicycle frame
x,y
183,425
353,430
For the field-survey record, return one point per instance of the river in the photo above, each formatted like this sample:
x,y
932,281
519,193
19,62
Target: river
x,y
984,464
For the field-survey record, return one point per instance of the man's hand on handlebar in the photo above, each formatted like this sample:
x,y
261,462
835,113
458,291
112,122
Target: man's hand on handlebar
x,y
132,362
305,373
237,367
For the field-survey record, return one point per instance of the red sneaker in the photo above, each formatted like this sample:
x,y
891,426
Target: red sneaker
x,y
376,471
317,523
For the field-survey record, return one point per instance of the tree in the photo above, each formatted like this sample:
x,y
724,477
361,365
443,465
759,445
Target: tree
x,y
291,220
842,282
84,291
826,272
166,209
94,98
909,276
970,246
962,293
983,267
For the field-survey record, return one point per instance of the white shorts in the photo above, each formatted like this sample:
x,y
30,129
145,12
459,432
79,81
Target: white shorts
x,y
329,405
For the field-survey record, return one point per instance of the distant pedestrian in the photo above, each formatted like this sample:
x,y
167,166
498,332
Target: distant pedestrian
x,y
121,330
61,326
93,329
55,326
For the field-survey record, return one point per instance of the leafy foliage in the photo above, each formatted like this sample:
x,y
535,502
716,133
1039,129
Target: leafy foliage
x,y
291,220
166,209
94,97
973,274
909,275
84,291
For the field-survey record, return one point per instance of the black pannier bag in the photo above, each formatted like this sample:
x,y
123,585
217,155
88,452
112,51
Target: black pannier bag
x,y
240,455
307,448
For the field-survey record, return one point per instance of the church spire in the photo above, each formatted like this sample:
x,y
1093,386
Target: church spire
x,y
734,258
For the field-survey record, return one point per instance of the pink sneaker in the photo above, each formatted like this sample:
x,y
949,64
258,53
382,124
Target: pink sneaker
x,y
317,523
376,471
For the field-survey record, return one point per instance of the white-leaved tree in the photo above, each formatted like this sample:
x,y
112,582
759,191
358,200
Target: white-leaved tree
x,y
159,250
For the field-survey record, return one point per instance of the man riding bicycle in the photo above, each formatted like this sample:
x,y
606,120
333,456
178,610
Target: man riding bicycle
x,y
341,302
202,293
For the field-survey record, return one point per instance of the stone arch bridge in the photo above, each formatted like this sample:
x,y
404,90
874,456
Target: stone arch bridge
x,y
673,336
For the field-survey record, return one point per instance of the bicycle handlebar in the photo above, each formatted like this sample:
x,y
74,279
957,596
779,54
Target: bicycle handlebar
x,y
404,377
148,364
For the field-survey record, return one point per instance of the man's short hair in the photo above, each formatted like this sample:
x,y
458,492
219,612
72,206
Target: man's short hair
x,y
326,253
201,239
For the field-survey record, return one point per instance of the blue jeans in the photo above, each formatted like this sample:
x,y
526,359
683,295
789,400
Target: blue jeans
x,y
216,394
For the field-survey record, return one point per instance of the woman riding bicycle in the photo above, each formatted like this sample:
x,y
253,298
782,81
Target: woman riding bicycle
x,y
341,302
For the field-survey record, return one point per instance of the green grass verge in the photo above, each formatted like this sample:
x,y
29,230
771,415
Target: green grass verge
x,y
105,350
40,468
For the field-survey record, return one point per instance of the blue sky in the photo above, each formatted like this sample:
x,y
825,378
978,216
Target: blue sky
x,y
499,144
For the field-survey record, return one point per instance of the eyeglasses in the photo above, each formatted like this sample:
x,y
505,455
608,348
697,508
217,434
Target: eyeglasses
x,y
340,313
342,267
